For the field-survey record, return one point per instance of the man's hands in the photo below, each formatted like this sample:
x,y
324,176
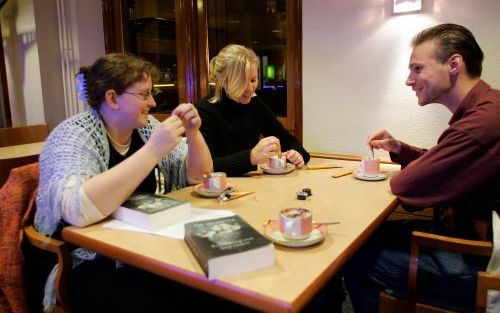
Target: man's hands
x,y
381,139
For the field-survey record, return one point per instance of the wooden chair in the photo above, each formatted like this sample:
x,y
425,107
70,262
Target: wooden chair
x,y
485,281
17,202
64,261
15,136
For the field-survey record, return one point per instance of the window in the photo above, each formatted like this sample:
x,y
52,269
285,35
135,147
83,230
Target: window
x,y
180,36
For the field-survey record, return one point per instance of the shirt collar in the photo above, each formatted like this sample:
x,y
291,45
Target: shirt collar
x,y
470,100
226,100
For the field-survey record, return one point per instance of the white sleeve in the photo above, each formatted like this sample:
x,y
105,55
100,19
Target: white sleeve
x,y
87,213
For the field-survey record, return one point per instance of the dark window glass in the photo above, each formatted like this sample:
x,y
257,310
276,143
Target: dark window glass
x,y
151,34
260,25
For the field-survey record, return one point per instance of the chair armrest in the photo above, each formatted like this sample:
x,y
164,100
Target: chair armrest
x,y
64,260
43,242
421,239
486,281
476,247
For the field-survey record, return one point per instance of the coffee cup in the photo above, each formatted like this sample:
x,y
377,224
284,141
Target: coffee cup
x,y
215,182
277,162
295,223
369,167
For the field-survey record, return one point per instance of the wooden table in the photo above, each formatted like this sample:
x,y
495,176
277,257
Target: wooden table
x,y
18,155
299,273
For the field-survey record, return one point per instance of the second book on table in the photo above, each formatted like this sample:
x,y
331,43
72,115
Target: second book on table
x,y
227,246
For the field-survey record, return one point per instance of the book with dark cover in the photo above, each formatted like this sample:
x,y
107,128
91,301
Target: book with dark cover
x,y
227,246
151,211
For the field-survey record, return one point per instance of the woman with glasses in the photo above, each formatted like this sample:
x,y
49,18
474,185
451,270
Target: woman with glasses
x,y
92,162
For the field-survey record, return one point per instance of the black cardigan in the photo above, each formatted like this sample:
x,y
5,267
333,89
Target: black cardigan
x,y
231,130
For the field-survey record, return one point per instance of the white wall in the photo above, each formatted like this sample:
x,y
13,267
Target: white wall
x,y
22,62
41,39
88,25
49,56
355,60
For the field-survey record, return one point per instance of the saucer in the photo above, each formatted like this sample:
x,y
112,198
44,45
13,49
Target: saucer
x,y
271,231
277,171
379,176
199,189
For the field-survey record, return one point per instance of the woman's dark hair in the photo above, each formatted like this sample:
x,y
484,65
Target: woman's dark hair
x,y
115,71
454,39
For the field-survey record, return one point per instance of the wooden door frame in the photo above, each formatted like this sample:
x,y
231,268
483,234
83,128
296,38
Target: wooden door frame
x,y
112,25
5,87
186,24
294,71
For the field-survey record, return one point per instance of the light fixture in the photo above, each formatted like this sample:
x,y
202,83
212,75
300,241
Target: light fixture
x,y
406,6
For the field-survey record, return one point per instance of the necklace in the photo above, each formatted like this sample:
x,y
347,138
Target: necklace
x,y
121,149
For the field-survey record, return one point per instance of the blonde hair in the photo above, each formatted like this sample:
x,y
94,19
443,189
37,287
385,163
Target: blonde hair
x,y
230,69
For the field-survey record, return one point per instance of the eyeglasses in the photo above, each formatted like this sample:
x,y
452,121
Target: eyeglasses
x,y
141,95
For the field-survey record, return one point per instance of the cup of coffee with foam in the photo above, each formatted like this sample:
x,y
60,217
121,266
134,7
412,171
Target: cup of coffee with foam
x,y
215,182
295,223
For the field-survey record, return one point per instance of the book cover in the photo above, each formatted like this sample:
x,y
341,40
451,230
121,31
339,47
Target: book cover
x,y
227,246
151,211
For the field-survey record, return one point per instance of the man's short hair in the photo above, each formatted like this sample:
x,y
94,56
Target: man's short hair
x,y
454,39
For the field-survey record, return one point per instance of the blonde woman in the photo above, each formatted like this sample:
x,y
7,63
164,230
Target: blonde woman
x,y
235,118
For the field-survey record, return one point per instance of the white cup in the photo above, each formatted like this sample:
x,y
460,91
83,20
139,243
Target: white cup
x,y
369,167
216,182
277,162
295,223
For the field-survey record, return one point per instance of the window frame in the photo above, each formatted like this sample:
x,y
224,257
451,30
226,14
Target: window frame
x,y
192,52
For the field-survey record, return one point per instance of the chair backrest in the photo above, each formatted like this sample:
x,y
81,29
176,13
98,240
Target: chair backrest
x,y
12,136
17,198
17,203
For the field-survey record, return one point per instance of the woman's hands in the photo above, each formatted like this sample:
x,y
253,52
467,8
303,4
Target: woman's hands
x,y
265,148
184,119
166,136
199,160
294,157
189,116
270,146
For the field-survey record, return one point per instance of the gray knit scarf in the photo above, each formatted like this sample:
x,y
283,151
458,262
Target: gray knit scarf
x,y
78,148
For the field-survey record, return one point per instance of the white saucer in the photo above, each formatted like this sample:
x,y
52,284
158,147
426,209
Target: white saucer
x,y
359,175
199,189
278,171
272,232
